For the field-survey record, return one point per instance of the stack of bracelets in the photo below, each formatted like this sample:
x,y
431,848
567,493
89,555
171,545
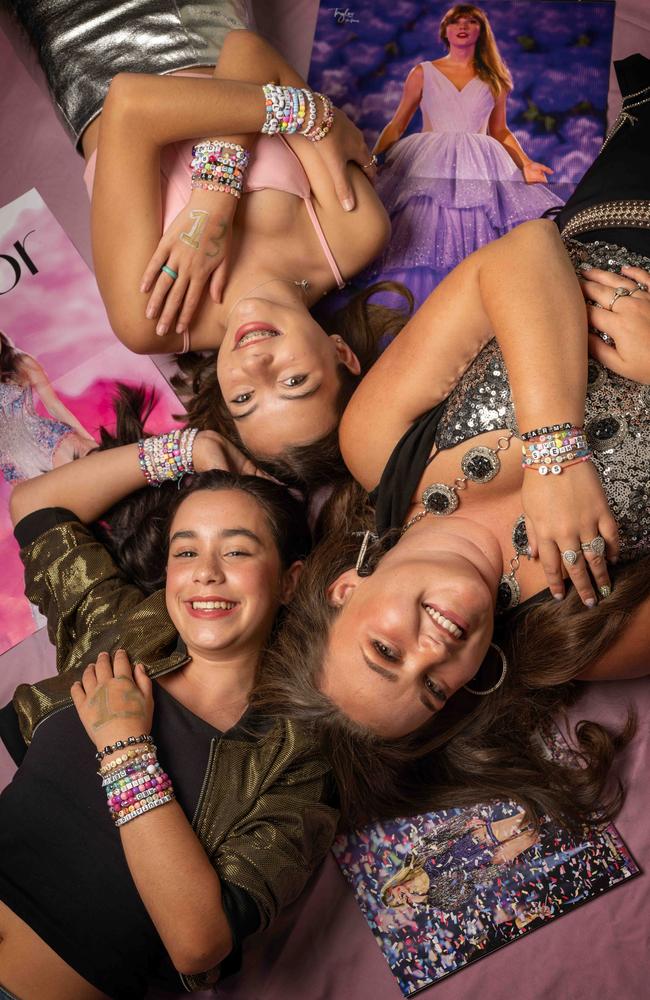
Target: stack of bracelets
x,y
288,107
134,782
167,456
219,166
550,449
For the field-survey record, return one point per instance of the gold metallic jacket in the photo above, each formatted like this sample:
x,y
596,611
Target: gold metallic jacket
x,y
262,816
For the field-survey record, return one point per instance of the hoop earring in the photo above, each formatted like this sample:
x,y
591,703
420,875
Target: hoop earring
x,y
504,671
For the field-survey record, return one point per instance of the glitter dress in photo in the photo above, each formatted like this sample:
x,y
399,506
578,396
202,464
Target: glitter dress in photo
x,y
27,441
451,188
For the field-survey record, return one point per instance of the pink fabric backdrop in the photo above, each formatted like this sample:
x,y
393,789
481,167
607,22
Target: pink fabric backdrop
x,y
321,949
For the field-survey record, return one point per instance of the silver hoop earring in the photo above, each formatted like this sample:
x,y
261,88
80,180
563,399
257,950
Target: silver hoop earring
x,y
504,671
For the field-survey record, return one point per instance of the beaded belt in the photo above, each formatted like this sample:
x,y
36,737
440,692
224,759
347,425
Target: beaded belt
x,y
609,215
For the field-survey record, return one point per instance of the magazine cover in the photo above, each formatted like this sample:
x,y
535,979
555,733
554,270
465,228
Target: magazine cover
x,y
482,117
60,365
443,889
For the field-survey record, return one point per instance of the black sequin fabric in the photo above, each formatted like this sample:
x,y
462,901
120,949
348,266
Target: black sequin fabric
x,y
617,415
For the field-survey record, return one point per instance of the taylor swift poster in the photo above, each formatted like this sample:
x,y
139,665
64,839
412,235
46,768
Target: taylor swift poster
x,y
480,116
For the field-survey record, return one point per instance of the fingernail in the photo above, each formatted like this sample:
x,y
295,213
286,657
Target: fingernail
x,y
144,287
180,328
585,267
590,602
529,552
558,597
348,204
161,329
150,312
614,559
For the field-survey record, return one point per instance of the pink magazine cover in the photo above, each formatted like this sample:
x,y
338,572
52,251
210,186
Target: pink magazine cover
x,y
61,364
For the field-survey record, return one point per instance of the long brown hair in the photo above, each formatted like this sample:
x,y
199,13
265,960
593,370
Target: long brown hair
x,y
488,63
478,749
362,324
9,359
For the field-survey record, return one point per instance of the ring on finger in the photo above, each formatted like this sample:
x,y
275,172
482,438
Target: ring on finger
x,y
618,294
605,591
640,287
570,556
166,269
373,162
596,545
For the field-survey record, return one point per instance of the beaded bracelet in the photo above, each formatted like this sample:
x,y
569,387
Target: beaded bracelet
x,y
142,786
167,456
327,122
556,468
219,166
548,430
122,745
286,109
119,762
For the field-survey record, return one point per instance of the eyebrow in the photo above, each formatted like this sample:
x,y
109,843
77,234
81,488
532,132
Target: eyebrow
x,y
390,675
298,395
226,533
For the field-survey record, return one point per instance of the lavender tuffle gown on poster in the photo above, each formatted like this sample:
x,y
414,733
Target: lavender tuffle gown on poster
x,y
451,188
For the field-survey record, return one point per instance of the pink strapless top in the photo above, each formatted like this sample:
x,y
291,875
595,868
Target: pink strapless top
x,y
273,164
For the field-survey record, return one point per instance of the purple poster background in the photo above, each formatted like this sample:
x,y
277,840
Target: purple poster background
x,y
558,54
51,310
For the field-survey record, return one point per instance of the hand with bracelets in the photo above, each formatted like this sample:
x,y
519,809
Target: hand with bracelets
x,y
193,250
618,310
568,520
114,702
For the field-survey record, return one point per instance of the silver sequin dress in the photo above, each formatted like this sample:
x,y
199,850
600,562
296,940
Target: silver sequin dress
x,y
83,44
617,416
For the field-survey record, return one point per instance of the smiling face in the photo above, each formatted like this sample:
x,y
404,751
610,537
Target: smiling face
x,y
462,30
278,373
412,634
225,581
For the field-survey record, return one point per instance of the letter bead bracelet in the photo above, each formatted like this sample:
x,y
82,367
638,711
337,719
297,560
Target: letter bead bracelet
x,y
288,107
219,166
137,787
167,457
549,450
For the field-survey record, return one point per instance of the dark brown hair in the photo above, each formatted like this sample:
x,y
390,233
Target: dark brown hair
x,y
478,749
362,324
136,530
9,359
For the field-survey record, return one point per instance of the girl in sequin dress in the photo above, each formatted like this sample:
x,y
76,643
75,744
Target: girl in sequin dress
x,y
31,444
464,180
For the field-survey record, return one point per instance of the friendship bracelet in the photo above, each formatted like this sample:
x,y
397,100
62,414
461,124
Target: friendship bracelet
x,y
122,744
556,468
167,456
328,120
219,166
124,758
145,808
286,110
548,430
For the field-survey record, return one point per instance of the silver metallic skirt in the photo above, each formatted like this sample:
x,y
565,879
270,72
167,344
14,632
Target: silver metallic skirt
x,y
83,44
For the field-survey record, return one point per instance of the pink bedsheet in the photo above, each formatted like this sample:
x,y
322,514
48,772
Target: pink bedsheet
x,y
321,948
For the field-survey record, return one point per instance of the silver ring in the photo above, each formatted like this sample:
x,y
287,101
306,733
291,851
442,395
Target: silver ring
x,y
570,557
618,294
640,287
596,545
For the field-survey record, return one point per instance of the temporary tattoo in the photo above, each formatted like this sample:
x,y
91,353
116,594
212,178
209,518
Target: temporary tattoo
x,y
217,240
117,706
192,238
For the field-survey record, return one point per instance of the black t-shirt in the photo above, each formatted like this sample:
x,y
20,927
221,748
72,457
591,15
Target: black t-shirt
x,y
62,867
